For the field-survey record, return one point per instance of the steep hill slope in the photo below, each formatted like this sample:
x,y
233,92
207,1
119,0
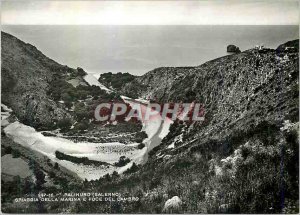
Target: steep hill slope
x,y
41,92
238,91
26,74
244,158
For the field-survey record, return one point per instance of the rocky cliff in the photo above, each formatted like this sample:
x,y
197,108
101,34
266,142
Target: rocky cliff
x,y
233,49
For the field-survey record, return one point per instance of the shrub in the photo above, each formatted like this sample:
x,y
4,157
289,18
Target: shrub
x,y
8,150
107,177
141,145
56,166
190,96
79,160
40,176
68,104
49,163
114,175
117,81
132,169
66,97
81,126
52,174
64,124
81,111
8,80
140,136
122,161
15,153
80,71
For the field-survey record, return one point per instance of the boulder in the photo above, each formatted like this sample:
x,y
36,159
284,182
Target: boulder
x,y
173,205
233,49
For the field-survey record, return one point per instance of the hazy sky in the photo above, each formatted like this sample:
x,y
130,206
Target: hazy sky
x,y
230,12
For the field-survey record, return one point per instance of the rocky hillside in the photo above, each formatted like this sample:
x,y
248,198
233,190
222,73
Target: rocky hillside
x,y
292,45
238,90
26,74
41,92
244,157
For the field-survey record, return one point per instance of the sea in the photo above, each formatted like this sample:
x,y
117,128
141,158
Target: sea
x,y
138,49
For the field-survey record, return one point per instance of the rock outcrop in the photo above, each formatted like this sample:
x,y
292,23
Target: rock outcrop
x,y
233,49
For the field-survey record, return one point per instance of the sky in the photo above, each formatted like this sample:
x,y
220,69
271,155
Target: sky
x,y
218,12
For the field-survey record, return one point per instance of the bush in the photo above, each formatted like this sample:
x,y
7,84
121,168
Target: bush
x,y
114,175
80,71
15,153
64,124
116,81
81,126
8,150
190,96
140,136
8,80
58,88
78,160
40,176
56,166
132,169
122,161
68,104
52,174
81,111
66,97
141,145
107,177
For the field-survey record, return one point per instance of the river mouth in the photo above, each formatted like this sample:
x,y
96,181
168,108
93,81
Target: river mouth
x,y
108,153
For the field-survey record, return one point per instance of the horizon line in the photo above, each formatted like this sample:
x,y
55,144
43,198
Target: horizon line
x,y
152,24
